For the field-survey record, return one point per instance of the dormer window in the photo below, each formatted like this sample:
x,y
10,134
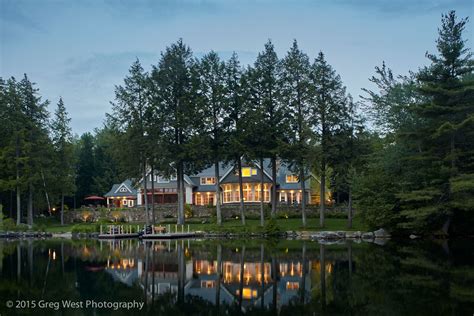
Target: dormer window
x,y
208,180
291,178
248,172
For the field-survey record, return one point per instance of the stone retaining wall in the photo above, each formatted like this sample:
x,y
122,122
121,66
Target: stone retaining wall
x,y
163,211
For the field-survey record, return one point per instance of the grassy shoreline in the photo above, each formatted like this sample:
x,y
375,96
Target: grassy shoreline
x,y
231,225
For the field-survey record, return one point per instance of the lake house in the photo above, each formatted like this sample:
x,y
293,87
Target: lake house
x,y
200,189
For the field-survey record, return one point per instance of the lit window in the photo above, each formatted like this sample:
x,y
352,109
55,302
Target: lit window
x,y
208,180
292,286
291,178
248,172
208,284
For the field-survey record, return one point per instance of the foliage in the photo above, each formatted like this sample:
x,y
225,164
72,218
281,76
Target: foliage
x,y
271,227
188,211
419,174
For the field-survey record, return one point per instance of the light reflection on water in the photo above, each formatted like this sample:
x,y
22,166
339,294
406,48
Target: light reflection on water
x,y
209,277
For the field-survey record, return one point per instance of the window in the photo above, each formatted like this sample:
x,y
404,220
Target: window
x,y
208,180
162,180
125,202
227,193
248,172
291,178
208,284
123,189
205,198
247,192
292,286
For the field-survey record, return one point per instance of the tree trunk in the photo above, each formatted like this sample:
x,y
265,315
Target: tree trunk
x,y
145,193
262,275
241,283
30,205
322,202
349,211
241,191
218,194
322,262
46,193
303,195
18,193
219,276
275,284
178,189
18,205
274,188
62,209
181,273
152,195
303,276
183,196
262,193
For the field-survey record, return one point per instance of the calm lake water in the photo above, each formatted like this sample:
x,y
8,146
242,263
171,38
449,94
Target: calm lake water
x,y
257,277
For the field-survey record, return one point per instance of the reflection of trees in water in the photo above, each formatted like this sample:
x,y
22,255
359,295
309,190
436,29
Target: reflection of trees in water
x,y
301,278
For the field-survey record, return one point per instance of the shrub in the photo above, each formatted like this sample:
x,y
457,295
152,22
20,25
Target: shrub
x,y
271,227
117,216
39,227
86,216
81,228
188,211
8,224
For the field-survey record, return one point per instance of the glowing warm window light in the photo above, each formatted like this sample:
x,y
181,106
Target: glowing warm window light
x,y
291,178
208,180
292,286
248,172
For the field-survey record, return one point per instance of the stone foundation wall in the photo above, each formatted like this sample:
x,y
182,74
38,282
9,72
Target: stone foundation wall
x,y
165,211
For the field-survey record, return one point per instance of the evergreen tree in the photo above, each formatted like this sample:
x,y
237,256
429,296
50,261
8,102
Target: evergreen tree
x,y
446,131
85,166
266,82
64,155
130,109
213,93
37,143
329,104
235,120
174,82
296,99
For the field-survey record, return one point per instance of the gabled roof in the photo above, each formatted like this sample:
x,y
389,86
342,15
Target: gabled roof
x,y
123,189
231,177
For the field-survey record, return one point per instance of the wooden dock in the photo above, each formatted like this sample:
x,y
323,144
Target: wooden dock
x,y
162,232
118,236
169,236
118,232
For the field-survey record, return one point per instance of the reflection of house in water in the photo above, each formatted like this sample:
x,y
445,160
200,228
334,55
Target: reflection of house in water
x,y
163,273
160,269
257,282
123,270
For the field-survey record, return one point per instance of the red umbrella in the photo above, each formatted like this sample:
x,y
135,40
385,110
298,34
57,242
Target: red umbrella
x,y
94,197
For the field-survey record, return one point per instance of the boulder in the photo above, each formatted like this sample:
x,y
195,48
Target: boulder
x,y
380,241
368,236
381,233
353,235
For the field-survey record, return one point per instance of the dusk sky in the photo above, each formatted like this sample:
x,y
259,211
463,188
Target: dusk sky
x,y
81,49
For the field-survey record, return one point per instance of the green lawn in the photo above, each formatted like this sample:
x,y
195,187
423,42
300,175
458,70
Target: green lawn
x,y
283,224
232,225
